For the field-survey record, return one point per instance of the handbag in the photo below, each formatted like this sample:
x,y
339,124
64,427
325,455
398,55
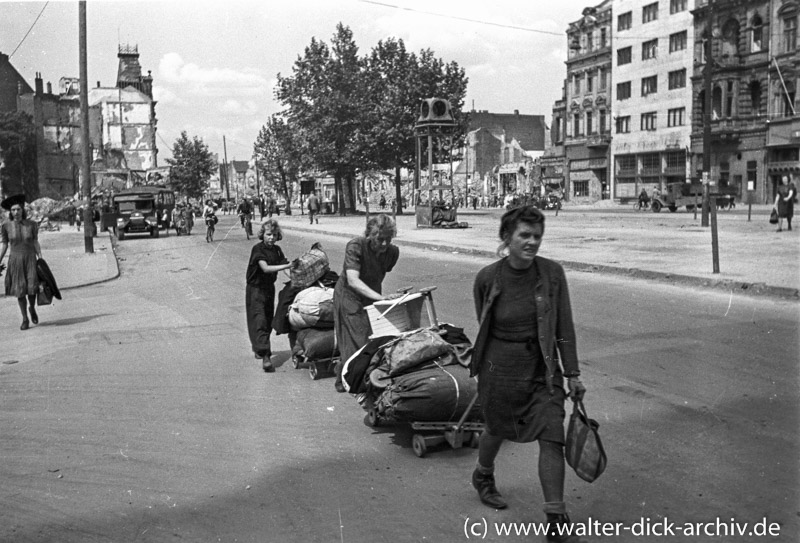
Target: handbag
x,y
773,217
584,451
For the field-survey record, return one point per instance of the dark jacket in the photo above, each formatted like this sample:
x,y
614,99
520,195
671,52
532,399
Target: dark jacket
x,y
555,325
47,279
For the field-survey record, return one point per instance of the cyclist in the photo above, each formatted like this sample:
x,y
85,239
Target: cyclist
x,y
644,199
245,215
210,217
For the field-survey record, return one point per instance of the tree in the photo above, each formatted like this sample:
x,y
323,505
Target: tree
x,y
278,152
18,153
324,101
191,166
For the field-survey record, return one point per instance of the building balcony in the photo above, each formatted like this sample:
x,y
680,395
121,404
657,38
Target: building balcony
x,y
598,140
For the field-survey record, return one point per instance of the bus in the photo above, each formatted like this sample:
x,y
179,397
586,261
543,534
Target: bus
x,y
143,210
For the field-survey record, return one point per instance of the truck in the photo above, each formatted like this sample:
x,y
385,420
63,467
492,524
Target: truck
x,y
142,210
682,194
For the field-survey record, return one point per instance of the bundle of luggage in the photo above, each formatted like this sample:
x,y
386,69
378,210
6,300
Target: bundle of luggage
x,y
305,307
420,375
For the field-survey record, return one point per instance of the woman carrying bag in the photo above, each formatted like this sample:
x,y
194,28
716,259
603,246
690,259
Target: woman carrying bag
x,y
22,279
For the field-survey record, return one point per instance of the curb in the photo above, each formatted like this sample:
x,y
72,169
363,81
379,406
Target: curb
x,y
738,287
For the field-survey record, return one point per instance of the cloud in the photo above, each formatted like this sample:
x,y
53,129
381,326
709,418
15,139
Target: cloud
x,y
173,70
236,107
165,96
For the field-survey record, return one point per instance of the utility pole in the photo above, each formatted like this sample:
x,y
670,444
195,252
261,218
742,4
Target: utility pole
x,y
86,159
707,117
709,203
225,169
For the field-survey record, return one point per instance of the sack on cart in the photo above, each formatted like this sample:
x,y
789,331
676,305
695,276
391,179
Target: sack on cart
x,y
312,308
414,348
309,267
316,344
434,392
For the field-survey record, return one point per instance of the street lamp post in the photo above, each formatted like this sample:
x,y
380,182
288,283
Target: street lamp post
x,y
709,202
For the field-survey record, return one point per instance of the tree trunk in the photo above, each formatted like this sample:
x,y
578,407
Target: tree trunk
x,y
398,194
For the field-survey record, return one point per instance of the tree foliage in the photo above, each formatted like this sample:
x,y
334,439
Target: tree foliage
x,y
18,153
278,153
191,166
354,114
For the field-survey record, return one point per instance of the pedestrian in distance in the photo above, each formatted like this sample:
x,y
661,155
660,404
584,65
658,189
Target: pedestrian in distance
x,y
382,202
524,349
367,260
313,207
22,278
266,260
78,217
784,202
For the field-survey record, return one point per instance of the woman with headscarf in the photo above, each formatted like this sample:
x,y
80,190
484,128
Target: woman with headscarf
x,y
22,279
367,260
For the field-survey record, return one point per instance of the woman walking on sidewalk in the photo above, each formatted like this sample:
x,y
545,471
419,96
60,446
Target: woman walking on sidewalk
x,y
524,349
784,202
22,279
266,260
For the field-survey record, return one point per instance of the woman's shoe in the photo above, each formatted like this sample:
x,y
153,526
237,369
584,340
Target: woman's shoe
x,y
34,316
266,364
24,325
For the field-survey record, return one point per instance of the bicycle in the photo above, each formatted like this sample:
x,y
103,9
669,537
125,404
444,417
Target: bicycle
x,y
211,220
248,225
638,205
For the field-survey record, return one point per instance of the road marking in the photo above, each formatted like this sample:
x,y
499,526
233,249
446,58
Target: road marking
x,y
217,247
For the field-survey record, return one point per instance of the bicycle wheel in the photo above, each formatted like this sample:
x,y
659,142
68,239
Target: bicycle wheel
x,y
247,228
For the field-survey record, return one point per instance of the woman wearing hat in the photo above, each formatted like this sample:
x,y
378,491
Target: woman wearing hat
x,y
21,277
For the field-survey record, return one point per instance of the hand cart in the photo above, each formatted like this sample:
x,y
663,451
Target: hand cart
x,y
317,369
403,314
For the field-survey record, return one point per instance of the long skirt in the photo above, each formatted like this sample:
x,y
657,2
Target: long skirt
x,y
21,279
260,309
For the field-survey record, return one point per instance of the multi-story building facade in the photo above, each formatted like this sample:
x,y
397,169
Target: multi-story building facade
x,y
122,130
754,121
553,162
652,67
587,112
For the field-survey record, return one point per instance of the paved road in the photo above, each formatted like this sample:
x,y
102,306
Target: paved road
x,y
137,413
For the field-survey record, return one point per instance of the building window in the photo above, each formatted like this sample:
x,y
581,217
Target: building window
x,y
650,12
677,79
590,41
603,38
624,21
755,97
603,79
589,82
623,56
581,188
729,95
651,163
724,174
623,125
675,116
649,85
789,34
589,124
752,174
576,122
787,99
649,121
576,84
603,128
626,164
650,49
676,161
756,34
623,90
676,6
677,41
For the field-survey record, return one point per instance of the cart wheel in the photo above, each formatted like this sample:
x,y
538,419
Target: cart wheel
x,y
418,443
313,371
296,362
656,207
475,440
372,417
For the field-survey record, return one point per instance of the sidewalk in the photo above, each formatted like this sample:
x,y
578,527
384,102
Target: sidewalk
x,y
605,238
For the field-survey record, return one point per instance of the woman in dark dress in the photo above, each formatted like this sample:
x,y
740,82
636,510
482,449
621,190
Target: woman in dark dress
x,y
524,349
22,280
784,202
266,260
367,260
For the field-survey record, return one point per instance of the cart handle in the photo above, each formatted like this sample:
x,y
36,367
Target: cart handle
x,y
397,301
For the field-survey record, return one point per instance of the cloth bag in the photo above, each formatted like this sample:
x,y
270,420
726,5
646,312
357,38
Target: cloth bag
x,y
584,451
310,267
773,217
312,307
414,348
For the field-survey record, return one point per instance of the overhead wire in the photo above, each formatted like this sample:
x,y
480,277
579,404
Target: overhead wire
x,y
29,30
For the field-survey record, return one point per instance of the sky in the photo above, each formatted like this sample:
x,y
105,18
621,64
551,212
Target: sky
x,y
215,64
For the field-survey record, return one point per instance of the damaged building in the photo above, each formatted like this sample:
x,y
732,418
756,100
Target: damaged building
x,y
122,129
